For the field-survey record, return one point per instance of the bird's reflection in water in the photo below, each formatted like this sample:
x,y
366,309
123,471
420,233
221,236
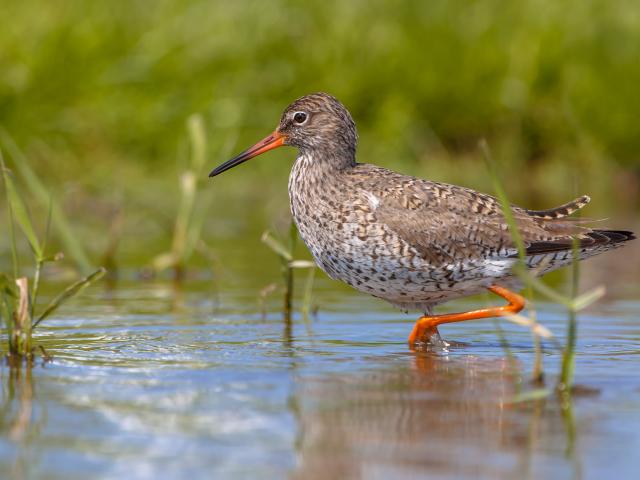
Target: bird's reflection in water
x,y
440,415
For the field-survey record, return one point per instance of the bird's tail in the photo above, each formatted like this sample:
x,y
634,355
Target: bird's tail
x,y
590,242
561,211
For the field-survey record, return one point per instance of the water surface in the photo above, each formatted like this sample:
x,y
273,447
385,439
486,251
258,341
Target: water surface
x,y
150,381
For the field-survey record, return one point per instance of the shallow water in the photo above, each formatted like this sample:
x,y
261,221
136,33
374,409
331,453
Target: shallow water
x,y
151,381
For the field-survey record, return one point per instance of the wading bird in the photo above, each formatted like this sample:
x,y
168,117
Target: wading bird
x,y
412,242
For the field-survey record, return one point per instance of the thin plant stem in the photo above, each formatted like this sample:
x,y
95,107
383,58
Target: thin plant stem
x,y
189,187
40,263
288,289
538,369
12,231
14,249
568,355
288,266
69,292
538,372
288,271
36,284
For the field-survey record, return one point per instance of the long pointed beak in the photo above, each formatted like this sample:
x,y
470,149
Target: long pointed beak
x,y
275,140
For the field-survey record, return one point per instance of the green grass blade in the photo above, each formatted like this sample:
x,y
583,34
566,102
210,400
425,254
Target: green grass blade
x,y
70,292
504,200
302,264
7,286
40,261
517,239
586,299
6,301
198,138
12,234
7,304
274,244
550,293
20,212
188,188
190,215
40,192
534,326
565,381
198,218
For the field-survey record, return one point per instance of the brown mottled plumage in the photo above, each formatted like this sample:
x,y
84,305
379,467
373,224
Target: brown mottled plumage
x,y
413,242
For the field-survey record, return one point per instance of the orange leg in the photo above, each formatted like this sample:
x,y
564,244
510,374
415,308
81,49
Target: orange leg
x,y
426,327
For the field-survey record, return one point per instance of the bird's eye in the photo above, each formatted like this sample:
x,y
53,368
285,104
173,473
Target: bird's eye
x,y
300,117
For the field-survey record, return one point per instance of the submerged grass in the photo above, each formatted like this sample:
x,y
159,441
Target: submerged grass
x,y
17,301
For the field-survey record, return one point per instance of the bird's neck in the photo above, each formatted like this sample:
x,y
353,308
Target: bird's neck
x,y
320,163
314,173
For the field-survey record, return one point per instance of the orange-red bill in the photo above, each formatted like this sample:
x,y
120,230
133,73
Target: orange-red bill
x,y
275,140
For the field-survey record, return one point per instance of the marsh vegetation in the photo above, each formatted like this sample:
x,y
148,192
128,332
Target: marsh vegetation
x,y
213,341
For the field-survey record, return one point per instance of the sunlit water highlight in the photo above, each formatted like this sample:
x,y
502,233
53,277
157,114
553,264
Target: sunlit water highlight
x,y
152,382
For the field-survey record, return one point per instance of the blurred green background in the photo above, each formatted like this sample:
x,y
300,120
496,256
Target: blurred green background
x,y
97,96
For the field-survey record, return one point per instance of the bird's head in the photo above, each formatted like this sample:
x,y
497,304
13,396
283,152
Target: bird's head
x,y
316,123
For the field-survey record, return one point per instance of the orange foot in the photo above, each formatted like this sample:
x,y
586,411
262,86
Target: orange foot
x,y
425,329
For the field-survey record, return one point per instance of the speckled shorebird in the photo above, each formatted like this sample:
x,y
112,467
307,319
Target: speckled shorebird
x,y
412,242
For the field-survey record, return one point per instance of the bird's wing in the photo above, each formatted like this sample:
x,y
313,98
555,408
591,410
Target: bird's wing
x,y
447,223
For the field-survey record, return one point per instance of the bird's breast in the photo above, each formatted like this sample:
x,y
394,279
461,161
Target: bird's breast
x,y
340,229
